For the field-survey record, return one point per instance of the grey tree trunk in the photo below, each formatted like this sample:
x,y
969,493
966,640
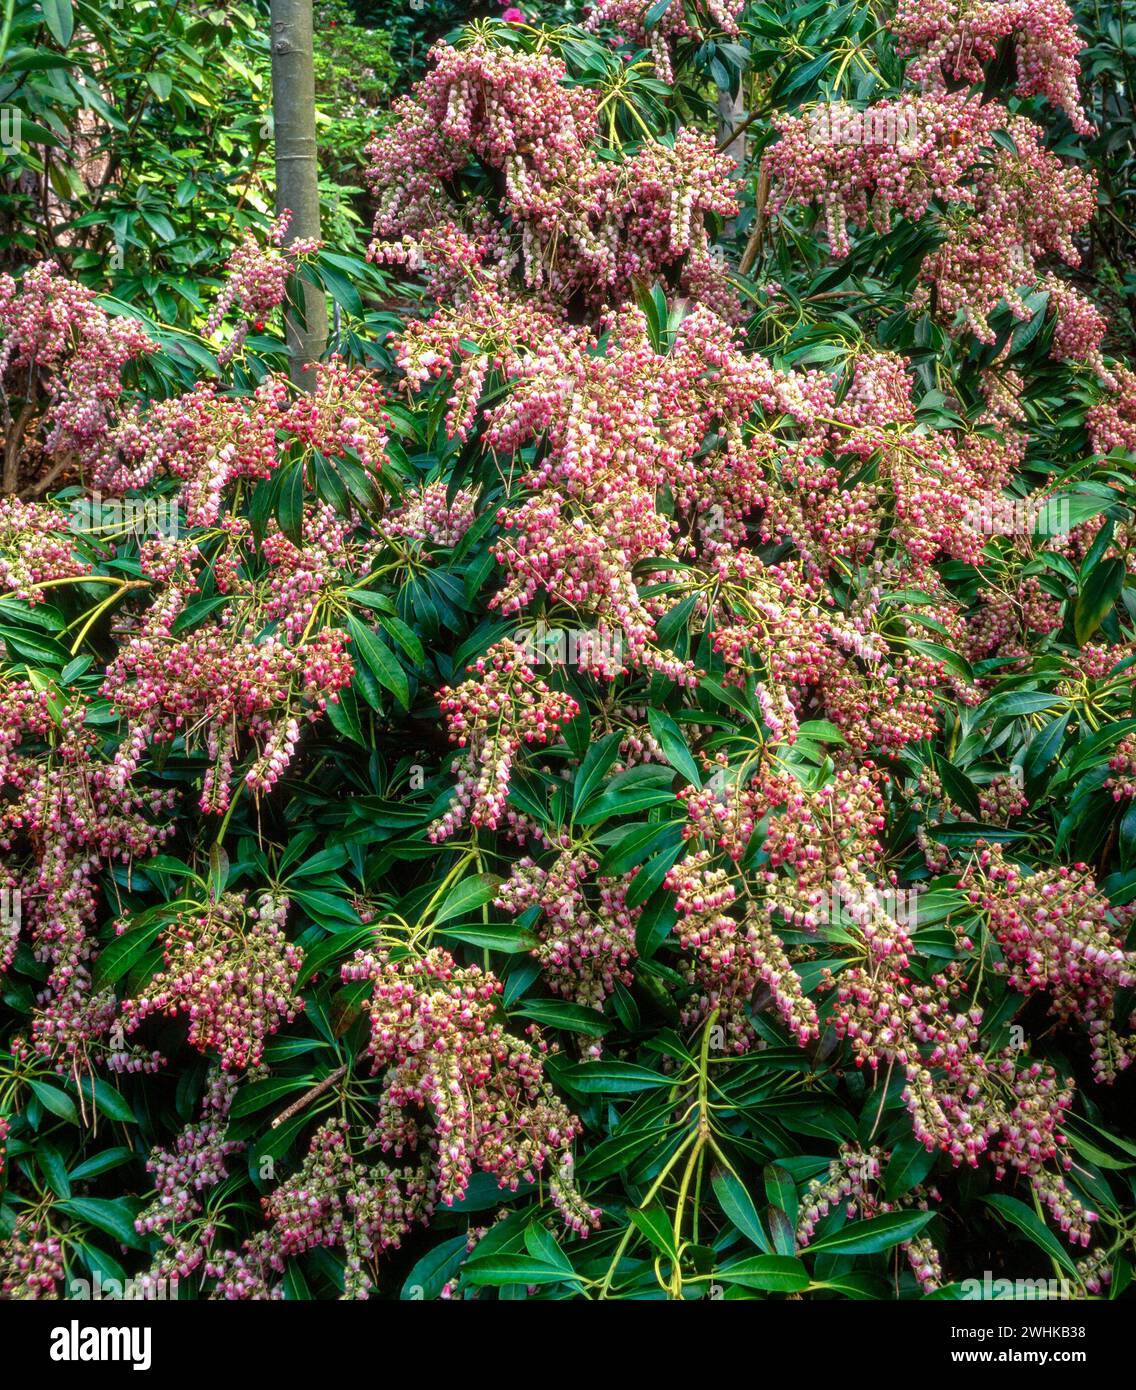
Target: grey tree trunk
x,y
297,174
731,114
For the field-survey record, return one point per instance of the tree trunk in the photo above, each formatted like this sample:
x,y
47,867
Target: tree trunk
x,y
731,115
297,175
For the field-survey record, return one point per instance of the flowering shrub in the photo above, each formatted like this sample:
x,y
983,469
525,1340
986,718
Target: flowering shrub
x,y
631,794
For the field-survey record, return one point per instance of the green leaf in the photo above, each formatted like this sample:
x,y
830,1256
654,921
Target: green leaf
x,y
772,1273
670,739
654,1223
871,1237
106,1099
908,1166
160,224
218,875
781,1190
406,637
1030,1224
60,19
593,769
1017,702
497,1271
343,716
54,1169
380,661
114,1216
102,1163
804,76
327,909
466,895
98,1261
858,1286
635,843
655,13
958,786
559,1013
1026,331
617,1153
611,1078
429,1274
1097,598
738,1205
1062,511
781,1232
951,660
508,938
58,1102
634,790
651,876
290,503
258,1094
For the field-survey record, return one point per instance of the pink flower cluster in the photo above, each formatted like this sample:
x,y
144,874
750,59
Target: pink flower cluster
x,y
206,440
879,173
617,428
775,624
820,838
337,1198
1059,933
31,1266
1006,621
1112,421
733,960
197,1161
1010,206
1027,205
587,939
571,221
435,1034
231,970
960,1101
952,39
852,1181
302,575
342,416
1079,327
489,331
223,678
432,517
502,707
212,441
256,280
62,820
1122,765
1002,800
35,549
58,346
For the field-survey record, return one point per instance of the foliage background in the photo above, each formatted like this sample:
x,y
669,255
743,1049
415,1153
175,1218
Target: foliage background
x,y
145,157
